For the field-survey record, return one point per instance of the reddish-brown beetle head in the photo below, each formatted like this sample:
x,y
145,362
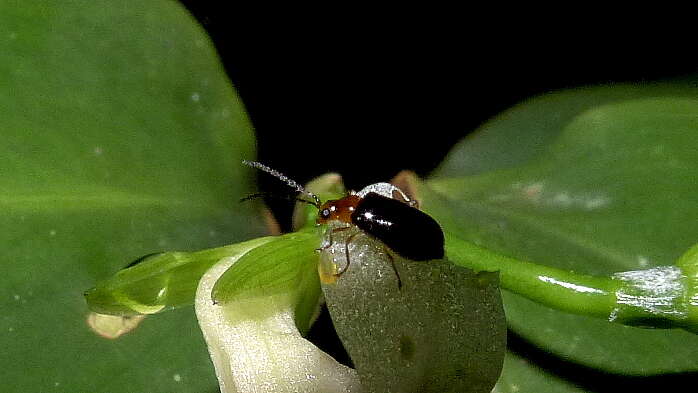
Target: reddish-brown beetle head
x,y
338,209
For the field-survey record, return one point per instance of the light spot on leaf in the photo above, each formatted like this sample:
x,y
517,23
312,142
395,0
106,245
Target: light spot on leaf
x,y
533,191
642,261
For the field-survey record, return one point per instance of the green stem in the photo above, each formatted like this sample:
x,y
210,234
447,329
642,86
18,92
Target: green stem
x,y
659,297
556,288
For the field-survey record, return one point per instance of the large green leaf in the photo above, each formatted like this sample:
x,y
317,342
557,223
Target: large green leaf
x,y
596,181
520,375
121,136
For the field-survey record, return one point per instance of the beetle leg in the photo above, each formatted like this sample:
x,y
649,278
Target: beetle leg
x,y
392,264
346,251
331,240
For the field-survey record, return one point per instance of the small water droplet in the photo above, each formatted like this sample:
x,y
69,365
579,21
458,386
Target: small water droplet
x,y
195,97
177,377
52,232
97,151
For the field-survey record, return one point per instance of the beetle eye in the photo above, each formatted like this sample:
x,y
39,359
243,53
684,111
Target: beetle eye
x,y
325,213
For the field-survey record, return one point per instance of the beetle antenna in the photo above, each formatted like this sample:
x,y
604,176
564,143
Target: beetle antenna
x,y
290,182
271,195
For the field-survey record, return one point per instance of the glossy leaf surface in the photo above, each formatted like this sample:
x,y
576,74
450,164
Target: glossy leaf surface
x,y
121,137
520,375
596,181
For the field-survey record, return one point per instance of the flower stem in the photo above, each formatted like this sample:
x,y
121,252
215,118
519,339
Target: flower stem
x,y
663,297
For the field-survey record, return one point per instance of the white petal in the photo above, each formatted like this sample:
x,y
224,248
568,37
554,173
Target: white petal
x,y
256,347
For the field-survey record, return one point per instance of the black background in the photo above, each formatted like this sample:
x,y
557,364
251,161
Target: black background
x,y
369,94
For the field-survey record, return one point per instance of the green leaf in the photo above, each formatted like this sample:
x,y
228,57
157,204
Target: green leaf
x,y
688,263
121,137
285,265
596,181
441,330
162,281
520,375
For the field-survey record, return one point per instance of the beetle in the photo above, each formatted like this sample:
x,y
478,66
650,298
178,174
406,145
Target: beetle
x,y
381,211
402,228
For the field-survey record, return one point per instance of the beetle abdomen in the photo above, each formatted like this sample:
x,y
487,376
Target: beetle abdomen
x,y
408,231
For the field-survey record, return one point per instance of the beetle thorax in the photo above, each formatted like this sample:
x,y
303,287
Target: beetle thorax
x,y
338,209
